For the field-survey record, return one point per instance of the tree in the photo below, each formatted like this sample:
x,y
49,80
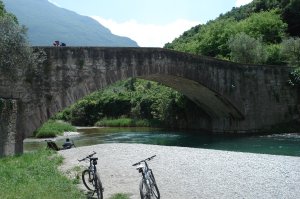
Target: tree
x,y
291,15
213,37
291,50
1,9
15,52
246,49
274,55
267,25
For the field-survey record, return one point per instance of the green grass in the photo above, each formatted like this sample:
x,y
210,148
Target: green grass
x,y
35,176
119,196
53,128
123,122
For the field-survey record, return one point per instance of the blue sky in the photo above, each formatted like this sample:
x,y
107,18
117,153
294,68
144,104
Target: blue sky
x,y
151,23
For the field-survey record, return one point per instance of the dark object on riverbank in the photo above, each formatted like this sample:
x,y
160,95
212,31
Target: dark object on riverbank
x,y
52,145
68,144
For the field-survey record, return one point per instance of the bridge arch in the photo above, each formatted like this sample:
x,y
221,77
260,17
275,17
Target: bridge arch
x,y
238,98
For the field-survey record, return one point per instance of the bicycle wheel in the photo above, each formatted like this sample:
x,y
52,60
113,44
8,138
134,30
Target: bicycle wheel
x,y
144,190
88,179
98,187
153,186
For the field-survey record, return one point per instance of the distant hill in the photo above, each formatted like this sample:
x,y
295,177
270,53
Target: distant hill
x,y
47,23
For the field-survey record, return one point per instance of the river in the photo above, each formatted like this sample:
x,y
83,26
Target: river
x,y
276,144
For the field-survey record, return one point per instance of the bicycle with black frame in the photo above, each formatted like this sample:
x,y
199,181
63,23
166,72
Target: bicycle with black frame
x,y
148,186
91,178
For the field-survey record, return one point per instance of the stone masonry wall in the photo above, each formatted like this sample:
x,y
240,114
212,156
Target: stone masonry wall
x,y
8,126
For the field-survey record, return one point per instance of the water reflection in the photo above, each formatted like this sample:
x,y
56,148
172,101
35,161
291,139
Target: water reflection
x,y
278,144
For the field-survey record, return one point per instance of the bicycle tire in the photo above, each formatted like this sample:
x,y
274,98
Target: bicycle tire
x,y
143,190
98,187
88,179
153,185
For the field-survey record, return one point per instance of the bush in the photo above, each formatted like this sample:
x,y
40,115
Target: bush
x,y
291,50
123,122
53,128
245,49
274,55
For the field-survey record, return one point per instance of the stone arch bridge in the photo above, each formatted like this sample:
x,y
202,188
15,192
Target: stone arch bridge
x,y
236,98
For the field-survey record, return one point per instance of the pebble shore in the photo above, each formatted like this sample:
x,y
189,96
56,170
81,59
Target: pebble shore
x,y
191,173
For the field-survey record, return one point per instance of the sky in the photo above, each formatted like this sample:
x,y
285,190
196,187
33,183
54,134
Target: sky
x,y
151,23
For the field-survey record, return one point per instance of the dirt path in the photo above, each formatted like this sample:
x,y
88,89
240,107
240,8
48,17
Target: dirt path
x,y
189,173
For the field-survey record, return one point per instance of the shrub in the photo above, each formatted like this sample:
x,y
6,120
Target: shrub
x,y
123,122
246,49
291,50
53,128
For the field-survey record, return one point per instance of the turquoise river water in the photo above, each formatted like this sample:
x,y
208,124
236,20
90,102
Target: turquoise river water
x,y
276,144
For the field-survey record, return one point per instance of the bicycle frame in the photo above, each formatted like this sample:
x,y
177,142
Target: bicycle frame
x,y
93,183
148,179
93,168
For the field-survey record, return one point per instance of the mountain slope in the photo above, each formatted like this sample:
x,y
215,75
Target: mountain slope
x,y
47,23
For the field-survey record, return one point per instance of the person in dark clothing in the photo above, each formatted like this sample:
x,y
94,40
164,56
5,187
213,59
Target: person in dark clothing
x,y
68,144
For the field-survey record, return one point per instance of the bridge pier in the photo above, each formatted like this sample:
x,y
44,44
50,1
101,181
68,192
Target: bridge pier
x,y
10,141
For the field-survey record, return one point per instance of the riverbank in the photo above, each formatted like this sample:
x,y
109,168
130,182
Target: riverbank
x,y
190,173
68,134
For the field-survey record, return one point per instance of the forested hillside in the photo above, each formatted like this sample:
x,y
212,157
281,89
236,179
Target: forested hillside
x,y
261,32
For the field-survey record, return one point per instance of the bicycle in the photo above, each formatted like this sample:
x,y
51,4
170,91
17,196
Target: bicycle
x,y
90,177
148,186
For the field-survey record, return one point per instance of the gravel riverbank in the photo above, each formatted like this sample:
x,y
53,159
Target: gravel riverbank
x,y
190,173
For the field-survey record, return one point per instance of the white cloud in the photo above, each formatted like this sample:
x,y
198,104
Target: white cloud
x,y
147,35
239,3
53,2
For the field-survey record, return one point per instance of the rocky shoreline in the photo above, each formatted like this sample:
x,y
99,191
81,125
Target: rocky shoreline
x,y
190,173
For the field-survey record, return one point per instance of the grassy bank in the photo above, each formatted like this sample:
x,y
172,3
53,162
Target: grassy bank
x,y
53,128
123,122
35,175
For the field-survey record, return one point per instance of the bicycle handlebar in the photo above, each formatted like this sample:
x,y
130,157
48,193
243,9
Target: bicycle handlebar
x,y
87,157
147,159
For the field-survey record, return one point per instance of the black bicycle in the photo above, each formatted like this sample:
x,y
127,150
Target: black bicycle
x,y
90,177
148,186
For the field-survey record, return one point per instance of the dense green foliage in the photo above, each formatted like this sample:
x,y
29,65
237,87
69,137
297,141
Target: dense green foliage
x,y
47,23
266,20
123,122
35,175
53,128
147,103
291,50
259,33
212,39
15,52
246,49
